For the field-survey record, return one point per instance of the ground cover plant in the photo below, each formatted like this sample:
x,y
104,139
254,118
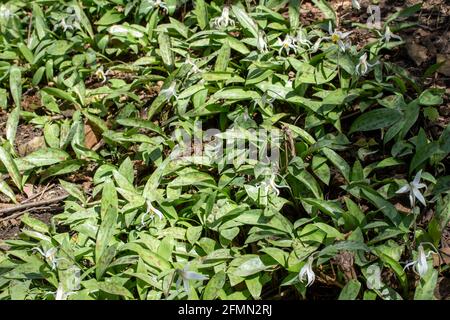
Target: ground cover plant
x,y
220,150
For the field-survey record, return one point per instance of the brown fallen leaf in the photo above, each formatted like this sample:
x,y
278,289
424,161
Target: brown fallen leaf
x,y
402,208
30,146
445,259
417,52
28,189
445,67
91,138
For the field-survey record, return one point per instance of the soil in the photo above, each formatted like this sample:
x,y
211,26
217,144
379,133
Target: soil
x,y
10,227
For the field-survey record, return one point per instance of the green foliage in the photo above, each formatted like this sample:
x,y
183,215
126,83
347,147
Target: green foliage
x,y
193,227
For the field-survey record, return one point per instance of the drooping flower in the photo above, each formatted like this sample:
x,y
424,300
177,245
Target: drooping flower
x,y
302,39
420,264
363,66
65,26
356,5
261,43
224,20
100,74
194,68
388,35
186,276
5,12
153,210
338,37
287,44
158,4
413,189
49,255
307,271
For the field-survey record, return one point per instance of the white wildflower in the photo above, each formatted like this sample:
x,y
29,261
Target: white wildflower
x,y
5,12
388,35
338,37
158,4
153,210
194,68
302,39
307,271
186,276
356,5
261,43
224,20
100,74
287,44
49,255
420,264
413,189
363,66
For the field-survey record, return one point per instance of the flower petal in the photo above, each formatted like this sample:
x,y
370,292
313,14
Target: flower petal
x,y
419,196
403,189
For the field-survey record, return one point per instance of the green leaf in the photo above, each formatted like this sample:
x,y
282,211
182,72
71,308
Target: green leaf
x,y
59,48
27,54
11,125
375,119
426,286
35,224
105,232
165,50
215,284
73,190
42,157
109,18
115,289
6,190
15,84
11,167
327,10
248,265
338,162
350,291
246,22
431,97
201,12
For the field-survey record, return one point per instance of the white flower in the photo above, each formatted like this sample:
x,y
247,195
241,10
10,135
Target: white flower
x,y
337,37
388,35
413,189
65,26
261,43
194,68
157,4
170,91
153,210
186,275
264,101
420,264
100,74
356,5
269,185
49,255
363,66
308,272
160,4
287,44
302,38
5,12
61,294
224,20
